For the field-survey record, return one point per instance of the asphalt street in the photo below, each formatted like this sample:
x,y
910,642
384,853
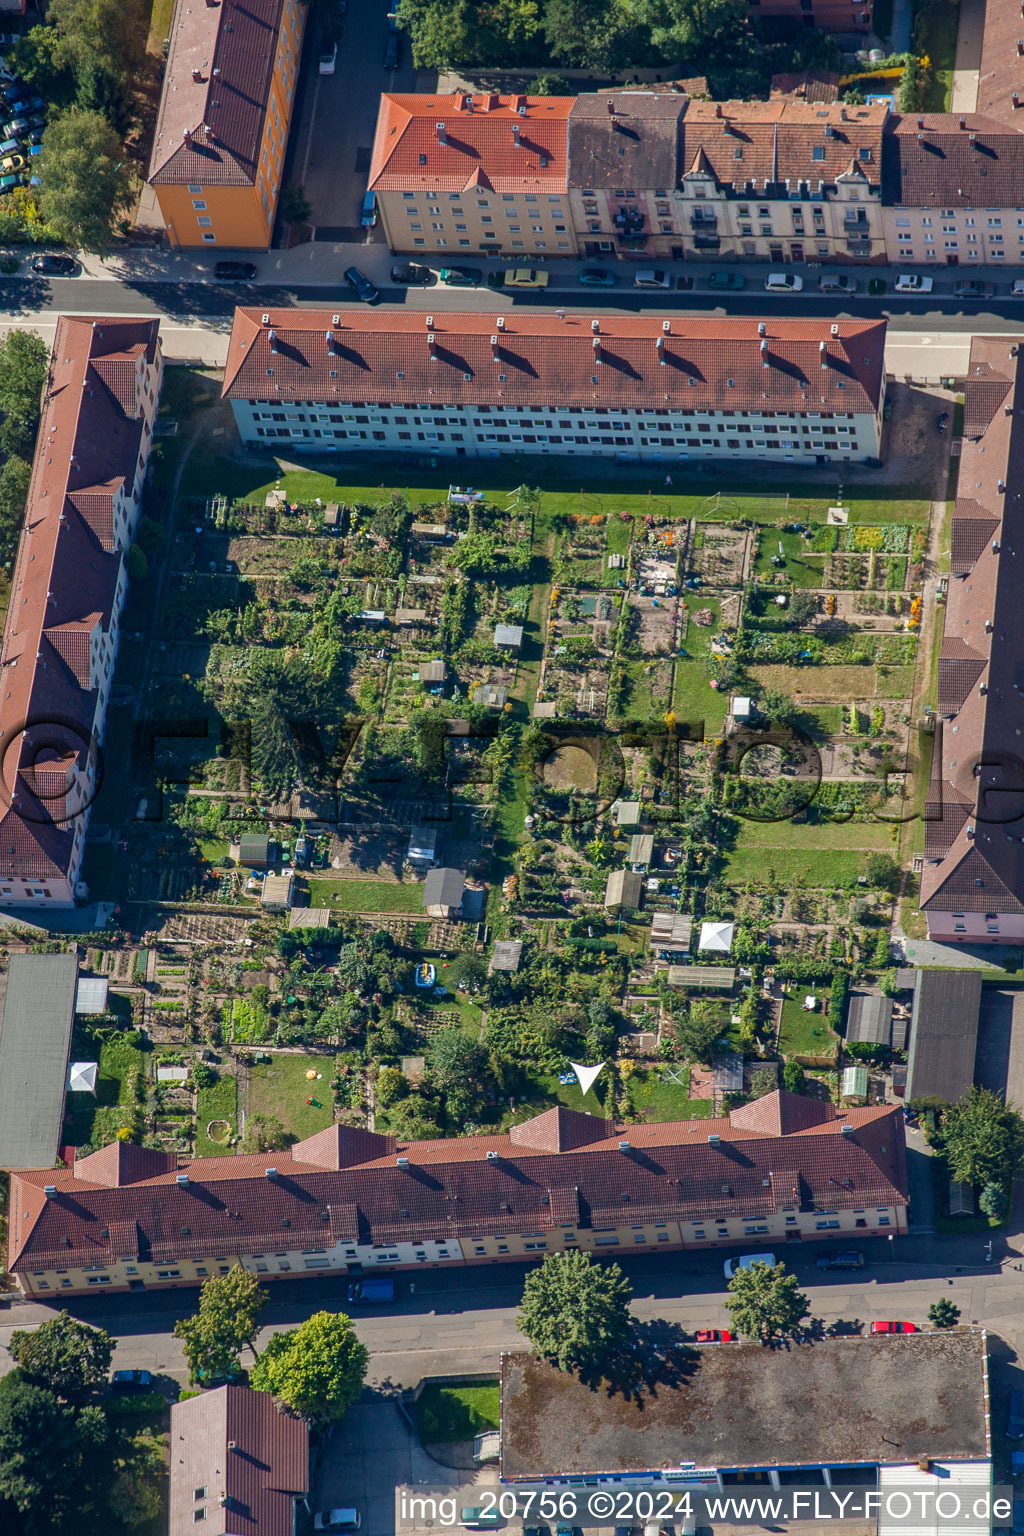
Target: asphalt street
x,y
461,1319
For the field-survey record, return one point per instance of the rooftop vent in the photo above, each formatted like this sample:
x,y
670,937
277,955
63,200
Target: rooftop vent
x,y
847,1130
623,1146
442,137
271,1173
835,330
492,1156
49,1190
595,325
402,1162
714,1140
181,1179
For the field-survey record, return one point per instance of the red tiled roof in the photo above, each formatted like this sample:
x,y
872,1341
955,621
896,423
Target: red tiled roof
x,y
771,143
522,359
439,142
452,1189
954,160
64,578
1002,67
209,129
974,850
250,1457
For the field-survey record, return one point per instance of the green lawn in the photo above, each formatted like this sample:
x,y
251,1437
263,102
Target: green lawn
x,y
619,534
366,895
821,868
935,29
218,1102
802,568
280,1088
445,1414
655,1098
96,1120
804,1033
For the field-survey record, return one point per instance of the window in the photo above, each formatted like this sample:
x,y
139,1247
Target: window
x,y
199,1514
204,223
199,1493
168,1274
208,239
199,205
195,191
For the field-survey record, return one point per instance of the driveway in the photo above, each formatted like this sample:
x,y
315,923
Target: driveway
x,y
331,140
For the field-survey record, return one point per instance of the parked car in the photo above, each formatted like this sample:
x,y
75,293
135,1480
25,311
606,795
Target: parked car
x,y
913,282
837,282
392,51
1017,288
893,1328
845,1259
1015,1417
56,266
375,1288
361,286
8,183
713,1336
368,218
597,277
783,282
652,277
342,1519
461,277
474,1518
731,281
412,276
328,59
745,1261
526,277
12,163
971,288
131,1381
235,271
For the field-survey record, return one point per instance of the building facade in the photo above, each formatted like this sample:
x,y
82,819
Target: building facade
x,y
351,1201
972,884
62,627
462,173
222,126
630,388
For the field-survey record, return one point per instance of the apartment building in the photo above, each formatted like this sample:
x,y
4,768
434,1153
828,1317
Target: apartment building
x,y
972,884
846,17
461,173
954,189
351,1201
622,387
222,125
61,631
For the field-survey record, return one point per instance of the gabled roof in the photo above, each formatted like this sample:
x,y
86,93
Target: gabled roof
x,y
625,139
560,1167
249,1457
943,1034
387,355
216,89
780,143
445,143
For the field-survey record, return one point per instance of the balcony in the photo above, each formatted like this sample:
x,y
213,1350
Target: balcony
x,y
706,242
855,219
703,219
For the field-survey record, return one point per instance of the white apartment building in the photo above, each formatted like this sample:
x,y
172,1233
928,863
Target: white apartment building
x,y
617,387
954,190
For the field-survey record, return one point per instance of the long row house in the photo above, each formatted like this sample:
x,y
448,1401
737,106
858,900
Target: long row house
x,y
655,173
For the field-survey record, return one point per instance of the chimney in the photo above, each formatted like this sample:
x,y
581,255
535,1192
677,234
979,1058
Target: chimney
x,y
515,135
611,108
265,319
920,122
762,329
273,340
1015,101
595,326
500,322
442,137
197,77
714,1140
764,355
271,1174
661,350
50,1191
666,326
623,1146
329,338
495,350
597,350
718,109
467,104
835,330
181,1179
924,1463
492,1156
1020,46
847,1130
823,353
402,1162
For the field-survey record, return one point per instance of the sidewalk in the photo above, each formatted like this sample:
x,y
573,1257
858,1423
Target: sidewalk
x,y
967,65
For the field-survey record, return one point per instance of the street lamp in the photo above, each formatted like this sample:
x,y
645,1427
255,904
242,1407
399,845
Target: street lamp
x,y
892,1247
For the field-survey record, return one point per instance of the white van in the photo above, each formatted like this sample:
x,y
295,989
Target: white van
x,y
783,282
652,277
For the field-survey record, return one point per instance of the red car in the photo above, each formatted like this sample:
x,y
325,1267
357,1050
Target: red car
x,y
893,1328
714,1336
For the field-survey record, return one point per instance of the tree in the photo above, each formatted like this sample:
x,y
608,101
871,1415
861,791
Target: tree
x,y
884,872
943,1314
793,1079
391,1086
294,206
549,85
777,706
14,483
264,1133
467,969
698,1031
412,1119
982,1139
138,565
992,1201
765,1303
803,606
45,1447
575,1312
228,1318
84,179
582,32
316,1372
456,1064
23,360
692,29
68,1357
